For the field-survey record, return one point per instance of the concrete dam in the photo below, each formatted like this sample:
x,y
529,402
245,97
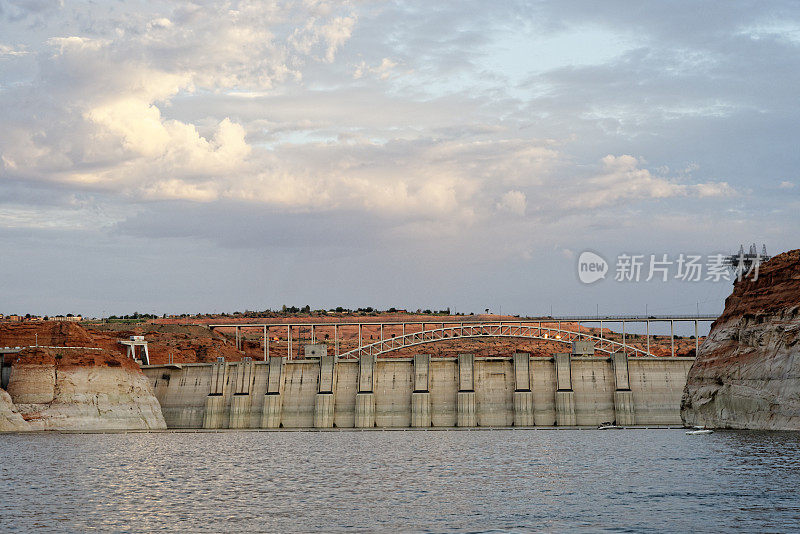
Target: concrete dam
x,y
567,389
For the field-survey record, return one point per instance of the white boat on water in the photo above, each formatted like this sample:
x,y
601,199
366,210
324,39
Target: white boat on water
x,y
607,426
699,431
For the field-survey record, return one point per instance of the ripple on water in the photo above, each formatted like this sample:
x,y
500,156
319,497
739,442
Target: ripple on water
x,y
636,480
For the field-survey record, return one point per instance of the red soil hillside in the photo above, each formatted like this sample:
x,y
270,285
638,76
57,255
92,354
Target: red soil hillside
x,y
190,343
48,333
65,358
186,343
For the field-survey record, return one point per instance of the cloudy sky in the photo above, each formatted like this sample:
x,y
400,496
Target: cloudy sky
x,y
177,157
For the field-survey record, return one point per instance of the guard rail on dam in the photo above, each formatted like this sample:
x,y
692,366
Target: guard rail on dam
x,y
466,391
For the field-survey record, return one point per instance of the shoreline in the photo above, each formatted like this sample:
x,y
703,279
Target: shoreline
x,y
388,429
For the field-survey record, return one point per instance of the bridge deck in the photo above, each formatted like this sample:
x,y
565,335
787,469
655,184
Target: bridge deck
x,y
468,320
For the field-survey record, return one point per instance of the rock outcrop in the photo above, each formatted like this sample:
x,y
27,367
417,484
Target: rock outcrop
x,y
747,372
82,389
10,418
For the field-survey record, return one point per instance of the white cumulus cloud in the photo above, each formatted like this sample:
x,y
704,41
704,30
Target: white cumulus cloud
x,y
623,179
513,202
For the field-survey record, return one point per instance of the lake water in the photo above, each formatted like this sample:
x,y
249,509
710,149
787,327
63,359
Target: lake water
x,y
434,481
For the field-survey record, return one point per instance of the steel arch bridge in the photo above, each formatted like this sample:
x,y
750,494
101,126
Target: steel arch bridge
x,y
471,331
414,333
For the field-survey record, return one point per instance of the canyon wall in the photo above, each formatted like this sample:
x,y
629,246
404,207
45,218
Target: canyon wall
x,y
747,372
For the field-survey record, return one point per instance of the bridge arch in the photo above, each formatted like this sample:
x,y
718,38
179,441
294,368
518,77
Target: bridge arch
x,y
472,331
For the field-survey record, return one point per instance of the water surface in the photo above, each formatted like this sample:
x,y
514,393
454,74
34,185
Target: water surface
x,y
435,481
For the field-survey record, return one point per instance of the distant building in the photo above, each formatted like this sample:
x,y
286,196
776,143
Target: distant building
x,y
15,318
67,318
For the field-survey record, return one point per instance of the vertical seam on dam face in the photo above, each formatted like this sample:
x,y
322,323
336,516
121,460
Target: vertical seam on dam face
x,y
466,415
565,396
422,392
214,415
420,396
624,411
523,396
324,404
241,401
273,396
364,416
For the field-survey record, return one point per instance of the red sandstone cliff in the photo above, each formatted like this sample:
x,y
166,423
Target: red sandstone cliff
x,y
747,372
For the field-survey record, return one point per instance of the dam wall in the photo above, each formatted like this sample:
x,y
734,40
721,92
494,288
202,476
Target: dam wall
x,y
467,391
